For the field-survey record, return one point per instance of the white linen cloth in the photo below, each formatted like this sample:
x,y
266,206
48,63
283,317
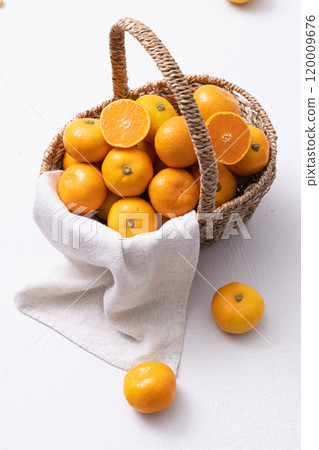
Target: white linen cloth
x,y
123,300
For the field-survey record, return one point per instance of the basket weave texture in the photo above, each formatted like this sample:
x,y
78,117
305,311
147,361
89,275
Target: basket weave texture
x,y
178,89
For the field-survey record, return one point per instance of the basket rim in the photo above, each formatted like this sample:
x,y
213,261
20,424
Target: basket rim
x,y
267,175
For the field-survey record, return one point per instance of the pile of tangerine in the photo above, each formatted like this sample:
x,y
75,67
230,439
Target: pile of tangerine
x,y
138,158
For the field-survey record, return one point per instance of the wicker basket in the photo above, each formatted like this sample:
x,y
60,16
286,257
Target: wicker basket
x,y
178,89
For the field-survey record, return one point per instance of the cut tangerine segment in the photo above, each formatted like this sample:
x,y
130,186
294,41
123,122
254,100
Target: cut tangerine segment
x,y
124,123
230,136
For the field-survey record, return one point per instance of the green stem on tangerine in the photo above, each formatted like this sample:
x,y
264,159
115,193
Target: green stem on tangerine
x,y
239,297
127,170
255,146
160,106
90,121
218,187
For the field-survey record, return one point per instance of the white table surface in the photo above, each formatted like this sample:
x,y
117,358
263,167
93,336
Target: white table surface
x,y
233,392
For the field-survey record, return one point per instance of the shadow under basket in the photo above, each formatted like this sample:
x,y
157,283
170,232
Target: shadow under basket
x,y
178,89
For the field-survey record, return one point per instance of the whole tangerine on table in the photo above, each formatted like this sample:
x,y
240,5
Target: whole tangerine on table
x,y
213,99
127,172
237,308
132,216
81,188
124,123
150,387
257,156
173,191
83,140
173,143
159,110
239,2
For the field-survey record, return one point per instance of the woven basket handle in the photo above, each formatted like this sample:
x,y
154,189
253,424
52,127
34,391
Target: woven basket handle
x,y
184,97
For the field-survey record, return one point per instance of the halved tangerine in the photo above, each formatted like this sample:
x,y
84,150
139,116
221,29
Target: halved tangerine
x,y
124,123
230,136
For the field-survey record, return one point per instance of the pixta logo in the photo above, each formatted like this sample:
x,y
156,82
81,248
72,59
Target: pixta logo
x,y
131,224
234,225
73,230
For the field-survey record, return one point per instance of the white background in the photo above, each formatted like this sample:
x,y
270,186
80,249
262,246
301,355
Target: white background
x,y
234,392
